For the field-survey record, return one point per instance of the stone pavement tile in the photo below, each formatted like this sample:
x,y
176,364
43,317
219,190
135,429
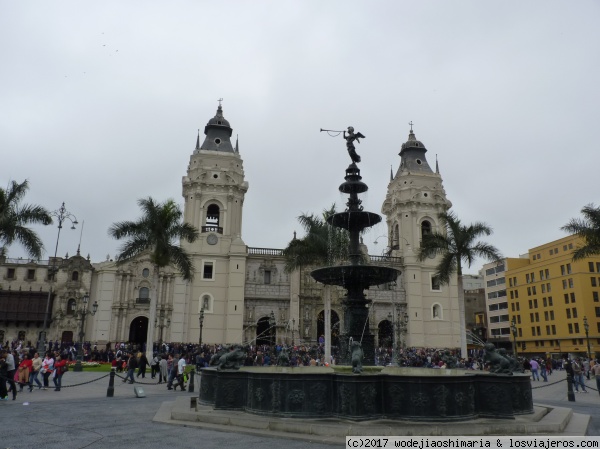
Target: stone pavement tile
x,y
83,416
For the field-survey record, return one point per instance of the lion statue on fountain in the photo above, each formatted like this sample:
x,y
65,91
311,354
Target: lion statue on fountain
x,y
498,364
232,359
357,354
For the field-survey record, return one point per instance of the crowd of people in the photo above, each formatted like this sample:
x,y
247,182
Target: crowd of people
x,y
21,366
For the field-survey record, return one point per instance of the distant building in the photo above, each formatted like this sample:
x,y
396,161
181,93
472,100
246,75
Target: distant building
x,y
551,295
475,310
498,320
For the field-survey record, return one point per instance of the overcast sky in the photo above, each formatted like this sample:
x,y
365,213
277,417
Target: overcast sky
x,y
100,103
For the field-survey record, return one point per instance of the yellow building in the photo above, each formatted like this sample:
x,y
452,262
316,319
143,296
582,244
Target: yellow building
x,y
551,297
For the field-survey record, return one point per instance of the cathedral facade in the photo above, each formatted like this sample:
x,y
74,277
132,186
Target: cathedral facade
x,y
239,293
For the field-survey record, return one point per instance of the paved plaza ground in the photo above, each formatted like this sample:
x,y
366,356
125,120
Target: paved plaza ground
x,y
83,417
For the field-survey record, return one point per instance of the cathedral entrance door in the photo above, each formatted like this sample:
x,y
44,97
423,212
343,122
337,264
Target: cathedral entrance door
x,y
67,337
138,331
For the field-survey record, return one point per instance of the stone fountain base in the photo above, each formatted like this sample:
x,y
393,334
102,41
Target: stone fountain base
x,y
378,393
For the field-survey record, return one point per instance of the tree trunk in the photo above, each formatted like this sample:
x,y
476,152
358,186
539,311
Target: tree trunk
x,y
152,315
461,313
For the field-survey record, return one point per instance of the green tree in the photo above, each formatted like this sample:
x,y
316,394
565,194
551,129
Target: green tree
x,y
15,217
588,228
156,234
323,244
456,244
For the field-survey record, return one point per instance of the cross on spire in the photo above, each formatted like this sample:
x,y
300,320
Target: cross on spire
x,y
220,100
411,125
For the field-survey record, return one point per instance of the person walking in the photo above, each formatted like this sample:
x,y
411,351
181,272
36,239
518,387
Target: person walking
x,y
25,367
172,371
3,376
10,374
596,372
542,364
155,365
180,373
578,375
59,370
47,369
162,370
534,366
36,366
142,364
131,366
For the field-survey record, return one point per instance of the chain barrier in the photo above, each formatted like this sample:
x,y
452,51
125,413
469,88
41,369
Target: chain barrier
x,y
84,383
137,382
549,384
4,378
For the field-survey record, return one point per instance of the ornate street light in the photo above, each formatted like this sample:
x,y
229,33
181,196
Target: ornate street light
x,y
201,321
61,215
83,313
586,327
513,328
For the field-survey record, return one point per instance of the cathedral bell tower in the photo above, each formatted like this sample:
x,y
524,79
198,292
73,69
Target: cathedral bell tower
x,y
213,191
414,199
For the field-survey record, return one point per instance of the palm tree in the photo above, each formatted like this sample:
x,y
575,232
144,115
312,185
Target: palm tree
x,y
456,244
323,244
155,233
588,228
15,217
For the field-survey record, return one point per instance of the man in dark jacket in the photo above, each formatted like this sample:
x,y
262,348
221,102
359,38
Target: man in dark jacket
x,y
132,364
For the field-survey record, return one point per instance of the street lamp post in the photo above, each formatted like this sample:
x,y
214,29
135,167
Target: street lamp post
x,y
201,321
513,328
61,215
83,313
586,327
404,327
160,323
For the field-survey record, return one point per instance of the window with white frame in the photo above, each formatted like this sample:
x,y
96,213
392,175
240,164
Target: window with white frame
x,y
435,284
208,270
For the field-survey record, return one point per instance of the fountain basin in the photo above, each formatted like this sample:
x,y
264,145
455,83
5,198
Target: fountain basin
x,y
354,220
392,393
355,275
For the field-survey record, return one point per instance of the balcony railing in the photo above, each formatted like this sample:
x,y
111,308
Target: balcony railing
x,y
265,251
216,229
142,300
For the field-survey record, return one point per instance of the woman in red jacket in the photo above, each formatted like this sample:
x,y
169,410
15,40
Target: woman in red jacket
x,y
59,369
25,368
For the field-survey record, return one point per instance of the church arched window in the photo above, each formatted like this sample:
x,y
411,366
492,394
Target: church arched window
x,y
212,218
75,276
71,306
425,228
144,295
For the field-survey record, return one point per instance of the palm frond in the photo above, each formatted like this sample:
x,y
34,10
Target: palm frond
x,y
588,229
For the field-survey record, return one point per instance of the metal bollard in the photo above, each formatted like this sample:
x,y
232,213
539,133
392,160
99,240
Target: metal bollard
x,y
110,392
570,393
191,386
